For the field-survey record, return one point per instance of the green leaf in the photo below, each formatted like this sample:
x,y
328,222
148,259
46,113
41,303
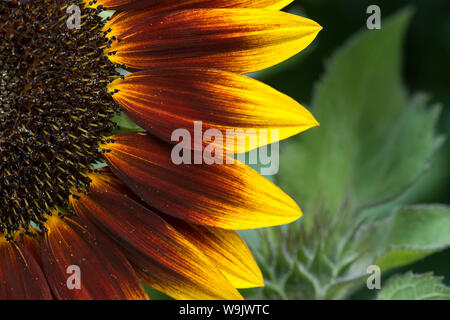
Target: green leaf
x,y
374,142
106,14
125,124
413,233
122,120
415,287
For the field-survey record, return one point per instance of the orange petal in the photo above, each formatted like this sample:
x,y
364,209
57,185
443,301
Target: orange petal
x,y
238,40
20,275
122,21
231,196
176,266
104,273
163,100
226,248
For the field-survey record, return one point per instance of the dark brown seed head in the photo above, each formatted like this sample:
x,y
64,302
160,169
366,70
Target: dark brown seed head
x,y
55,109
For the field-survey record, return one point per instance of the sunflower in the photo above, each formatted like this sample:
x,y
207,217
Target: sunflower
x,y
72,229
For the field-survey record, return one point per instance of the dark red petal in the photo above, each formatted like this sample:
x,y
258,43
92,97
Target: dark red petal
x,y
105,273
175,266
20,275
33,246
229,196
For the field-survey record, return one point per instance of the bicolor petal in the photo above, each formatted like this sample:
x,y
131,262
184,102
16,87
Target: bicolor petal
x,y
174,265
229,196
226,249
21,277
237,40
122,21
121,4
247,112
82,264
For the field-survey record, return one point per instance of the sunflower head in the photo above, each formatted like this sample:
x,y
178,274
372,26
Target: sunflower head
x,y
141,217
55,109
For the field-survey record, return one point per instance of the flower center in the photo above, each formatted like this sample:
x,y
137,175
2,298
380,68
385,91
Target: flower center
x,y
55,109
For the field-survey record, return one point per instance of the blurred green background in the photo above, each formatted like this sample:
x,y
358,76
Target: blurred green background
x,y
426,69
426,59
